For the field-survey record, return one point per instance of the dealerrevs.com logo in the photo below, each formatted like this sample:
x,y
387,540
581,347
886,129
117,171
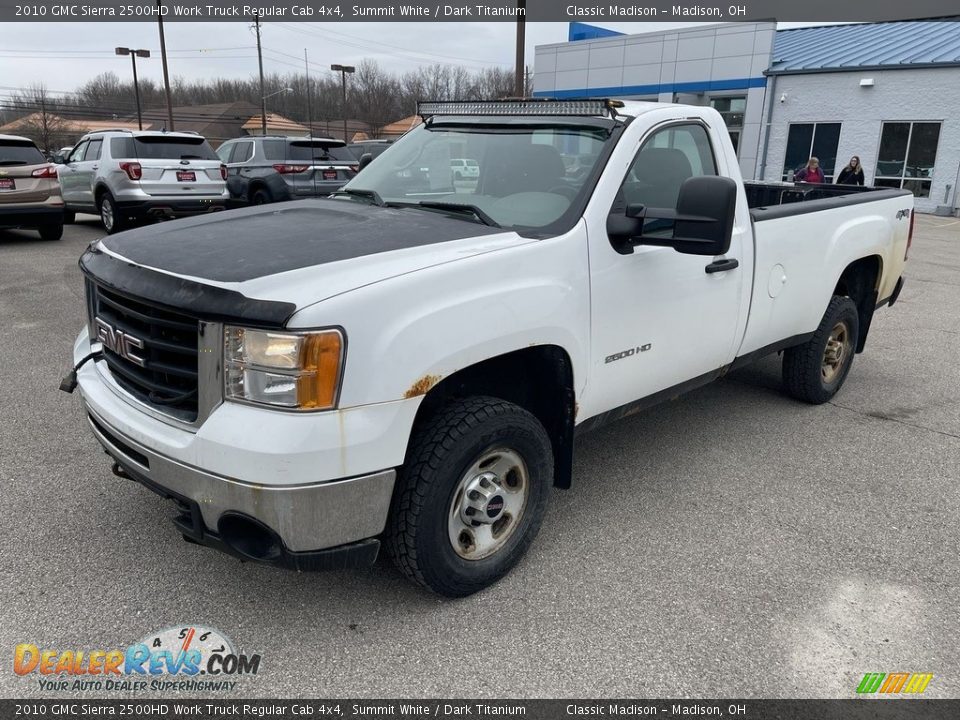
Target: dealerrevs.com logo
x,y
191,658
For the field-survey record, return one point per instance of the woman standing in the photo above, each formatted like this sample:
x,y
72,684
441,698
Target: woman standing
x,y
852,174
811,173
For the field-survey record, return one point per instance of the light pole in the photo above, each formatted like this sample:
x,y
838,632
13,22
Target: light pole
x,y
519,79
134,54
263,104
344,70
163,59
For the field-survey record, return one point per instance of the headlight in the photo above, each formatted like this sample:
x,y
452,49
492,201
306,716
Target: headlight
x,y
299,371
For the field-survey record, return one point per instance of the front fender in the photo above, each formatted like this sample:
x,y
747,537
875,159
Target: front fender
x,y
406,334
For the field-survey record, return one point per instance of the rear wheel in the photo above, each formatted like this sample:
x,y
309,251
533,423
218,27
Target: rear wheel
x,y
53,231
471,496
815,371
113,221
261,196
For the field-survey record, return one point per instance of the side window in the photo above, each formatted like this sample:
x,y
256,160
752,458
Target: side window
x,y
93,149
664,161
77,154
242,152
223,152
122,147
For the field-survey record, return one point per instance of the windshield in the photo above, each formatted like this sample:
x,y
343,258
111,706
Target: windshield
x,y
521,178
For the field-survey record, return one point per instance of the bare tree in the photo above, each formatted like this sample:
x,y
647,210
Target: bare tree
x,y
41,124
374,96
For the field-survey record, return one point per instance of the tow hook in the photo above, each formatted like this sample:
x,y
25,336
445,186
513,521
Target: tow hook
x,y
119,471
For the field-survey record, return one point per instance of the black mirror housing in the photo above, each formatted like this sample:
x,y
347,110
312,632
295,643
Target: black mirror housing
x,y
702,221
365,160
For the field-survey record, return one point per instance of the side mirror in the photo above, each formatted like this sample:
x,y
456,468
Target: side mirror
x,y
58,159
702,220
365,160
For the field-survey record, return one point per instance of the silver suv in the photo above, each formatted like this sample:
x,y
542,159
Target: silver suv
x,y
267,169
125,175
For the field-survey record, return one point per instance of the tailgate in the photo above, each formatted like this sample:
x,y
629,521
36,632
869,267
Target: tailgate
x,y
177,165
175,178
19,159
17,185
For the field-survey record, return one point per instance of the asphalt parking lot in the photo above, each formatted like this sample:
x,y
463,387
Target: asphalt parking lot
x,y
733,543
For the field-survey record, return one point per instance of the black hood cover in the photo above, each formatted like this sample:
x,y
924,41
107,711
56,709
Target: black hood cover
x,y
255,242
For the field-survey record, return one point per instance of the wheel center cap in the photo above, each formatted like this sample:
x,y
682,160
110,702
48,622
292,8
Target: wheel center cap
x,y
494,506
483,500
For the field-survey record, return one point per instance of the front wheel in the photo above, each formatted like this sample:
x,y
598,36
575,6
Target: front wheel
x,y
815,371
471,497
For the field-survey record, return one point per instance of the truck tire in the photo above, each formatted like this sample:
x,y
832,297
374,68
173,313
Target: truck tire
x,y
815,371
471,496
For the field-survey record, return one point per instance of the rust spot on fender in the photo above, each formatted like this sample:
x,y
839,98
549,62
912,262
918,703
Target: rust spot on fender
x,y
422,386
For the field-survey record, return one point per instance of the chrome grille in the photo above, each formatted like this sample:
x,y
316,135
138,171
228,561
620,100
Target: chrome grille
x,y
167,381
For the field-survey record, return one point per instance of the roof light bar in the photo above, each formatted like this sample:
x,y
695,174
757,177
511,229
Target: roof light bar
x,y
540,106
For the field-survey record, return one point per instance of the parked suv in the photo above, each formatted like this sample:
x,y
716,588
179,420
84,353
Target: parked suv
x,y
125,175
464,169
268,168
29,193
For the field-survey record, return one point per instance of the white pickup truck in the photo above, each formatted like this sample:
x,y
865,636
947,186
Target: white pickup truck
x,y
408,362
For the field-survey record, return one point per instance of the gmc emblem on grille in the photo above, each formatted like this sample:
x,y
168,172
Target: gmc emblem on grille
x,y
120,342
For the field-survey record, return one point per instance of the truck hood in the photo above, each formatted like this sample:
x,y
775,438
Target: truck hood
x,y
295,253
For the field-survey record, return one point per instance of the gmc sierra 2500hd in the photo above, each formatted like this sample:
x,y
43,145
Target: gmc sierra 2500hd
x,y
408,361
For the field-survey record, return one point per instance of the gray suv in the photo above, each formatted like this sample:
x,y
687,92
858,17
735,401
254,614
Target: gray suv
x,y
124,176
265,169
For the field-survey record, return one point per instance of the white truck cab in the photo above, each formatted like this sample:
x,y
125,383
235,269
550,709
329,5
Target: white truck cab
x,y
407,362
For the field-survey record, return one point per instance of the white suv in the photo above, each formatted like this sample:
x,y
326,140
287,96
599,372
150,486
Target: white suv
x,y
464,169
124,175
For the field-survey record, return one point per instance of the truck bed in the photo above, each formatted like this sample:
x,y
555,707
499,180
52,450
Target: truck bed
x,y
767,194
802,244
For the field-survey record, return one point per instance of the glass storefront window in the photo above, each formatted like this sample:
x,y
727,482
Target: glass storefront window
x,y
906,156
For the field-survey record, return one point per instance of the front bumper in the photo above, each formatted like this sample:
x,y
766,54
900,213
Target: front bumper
x,y
271,486
273,525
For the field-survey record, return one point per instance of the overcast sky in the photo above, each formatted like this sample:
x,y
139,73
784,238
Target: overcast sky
x,y
65,55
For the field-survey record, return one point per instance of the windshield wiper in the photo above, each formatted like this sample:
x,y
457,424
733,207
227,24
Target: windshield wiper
x,y
462,208
372,195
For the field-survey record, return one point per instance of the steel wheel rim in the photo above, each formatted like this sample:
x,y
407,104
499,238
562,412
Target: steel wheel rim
x,y
836,353
106,213
488,504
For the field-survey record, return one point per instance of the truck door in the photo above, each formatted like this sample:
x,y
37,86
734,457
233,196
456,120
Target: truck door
x,y
659,318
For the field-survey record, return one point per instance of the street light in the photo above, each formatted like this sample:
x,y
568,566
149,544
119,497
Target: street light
x,y
263,105
344,70
134,54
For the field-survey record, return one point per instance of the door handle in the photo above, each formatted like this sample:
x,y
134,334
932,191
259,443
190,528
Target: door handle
x,y
722,265
94,167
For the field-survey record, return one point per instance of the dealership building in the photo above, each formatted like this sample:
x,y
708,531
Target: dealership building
x,y
886,92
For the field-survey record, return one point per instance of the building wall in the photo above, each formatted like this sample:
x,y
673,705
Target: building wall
x,y
930,94
697,63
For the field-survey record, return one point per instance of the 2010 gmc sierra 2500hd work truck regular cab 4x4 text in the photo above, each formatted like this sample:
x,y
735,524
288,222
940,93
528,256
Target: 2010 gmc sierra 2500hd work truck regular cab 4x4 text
x,y
408,361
